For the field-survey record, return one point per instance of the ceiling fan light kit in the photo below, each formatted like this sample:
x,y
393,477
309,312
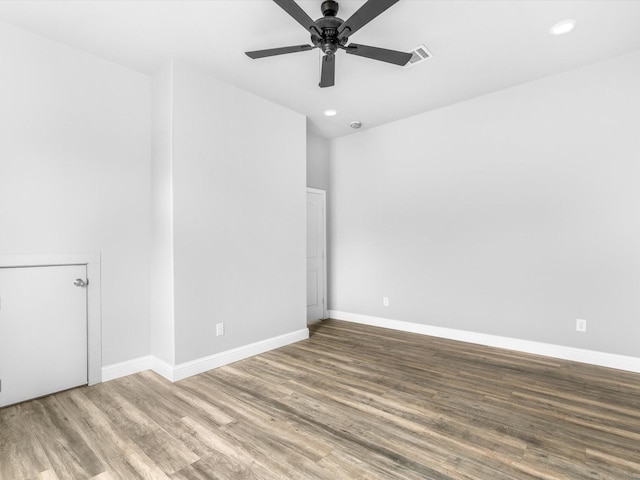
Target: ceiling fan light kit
x,y
330,34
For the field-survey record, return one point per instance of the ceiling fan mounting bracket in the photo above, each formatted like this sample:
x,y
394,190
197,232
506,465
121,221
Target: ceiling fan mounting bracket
x,y
329,8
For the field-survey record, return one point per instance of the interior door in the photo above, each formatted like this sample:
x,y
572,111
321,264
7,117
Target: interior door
x,y
43,331
316,255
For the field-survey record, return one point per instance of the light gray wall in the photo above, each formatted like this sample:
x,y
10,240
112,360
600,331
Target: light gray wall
x,y
239,201
76,177
511,214
318,176
74,173
162,327
317,162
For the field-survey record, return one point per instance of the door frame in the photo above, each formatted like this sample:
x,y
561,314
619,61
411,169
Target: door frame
x,y
323,195
94,314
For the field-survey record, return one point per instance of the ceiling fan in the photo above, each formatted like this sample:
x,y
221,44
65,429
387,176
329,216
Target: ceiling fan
x,y
331,33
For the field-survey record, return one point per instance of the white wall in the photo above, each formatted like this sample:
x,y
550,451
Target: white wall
x,y
317,162
212,231
239,201
74,172
511,214
162,325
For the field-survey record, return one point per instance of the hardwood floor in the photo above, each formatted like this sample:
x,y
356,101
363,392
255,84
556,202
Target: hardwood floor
x,y
352,402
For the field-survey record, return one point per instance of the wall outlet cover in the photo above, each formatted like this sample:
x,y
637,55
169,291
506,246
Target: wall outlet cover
x,y
581,325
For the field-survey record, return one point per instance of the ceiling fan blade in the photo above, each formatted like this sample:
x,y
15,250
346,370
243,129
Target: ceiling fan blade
x,y
270,52
299,15
364,15
382,54
328,75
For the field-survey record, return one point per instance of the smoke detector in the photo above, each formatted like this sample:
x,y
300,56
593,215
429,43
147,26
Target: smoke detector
x,y
418,55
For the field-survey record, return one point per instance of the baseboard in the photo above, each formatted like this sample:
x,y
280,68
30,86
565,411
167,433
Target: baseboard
x,y
200,365
194,367
162,368
122,369
620,362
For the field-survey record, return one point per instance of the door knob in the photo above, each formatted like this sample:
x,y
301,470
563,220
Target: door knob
x,y
80,282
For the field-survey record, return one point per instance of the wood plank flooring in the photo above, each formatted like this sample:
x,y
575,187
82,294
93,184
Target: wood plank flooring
x,y
352,402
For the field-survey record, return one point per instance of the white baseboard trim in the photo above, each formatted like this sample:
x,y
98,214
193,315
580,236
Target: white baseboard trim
x,y
188,369
162,368
620,362
122,369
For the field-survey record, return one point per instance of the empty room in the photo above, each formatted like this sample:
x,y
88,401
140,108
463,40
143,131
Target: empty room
x,y
306,239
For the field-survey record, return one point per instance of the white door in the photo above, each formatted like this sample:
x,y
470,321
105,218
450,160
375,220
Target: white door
x,y
43,331
316,255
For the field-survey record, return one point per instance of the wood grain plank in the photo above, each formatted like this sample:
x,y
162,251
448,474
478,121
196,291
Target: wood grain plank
x,y
352,402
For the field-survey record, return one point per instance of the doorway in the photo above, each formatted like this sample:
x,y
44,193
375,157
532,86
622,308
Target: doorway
x,y
316,255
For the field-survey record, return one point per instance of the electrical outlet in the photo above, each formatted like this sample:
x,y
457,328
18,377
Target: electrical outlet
x,y
385,301
219,329
581,325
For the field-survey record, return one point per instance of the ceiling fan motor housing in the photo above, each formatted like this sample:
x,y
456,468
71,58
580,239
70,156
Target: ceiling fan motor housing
x,y
329,23
329,42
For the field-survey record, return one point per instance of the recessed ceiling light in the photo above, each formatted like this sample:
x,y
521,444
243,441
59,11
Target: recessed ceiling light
x,y
330,112
562,27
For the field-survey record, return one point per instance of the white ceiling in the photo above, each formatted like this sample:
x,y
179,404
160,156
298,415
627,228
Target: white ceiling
x,y
479,47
